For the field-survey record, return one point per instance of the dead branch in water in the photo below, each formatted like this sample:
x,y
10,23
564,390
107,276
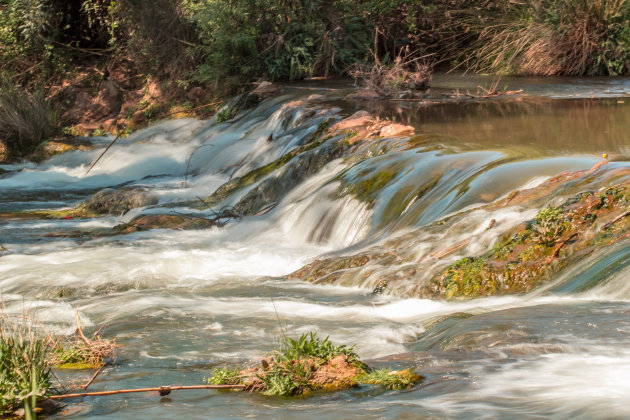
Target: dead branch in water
x,y
163,390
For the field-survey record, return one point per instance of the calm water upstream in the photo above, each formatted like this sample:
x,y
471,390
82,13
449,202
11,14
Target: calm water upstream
x,y
182,302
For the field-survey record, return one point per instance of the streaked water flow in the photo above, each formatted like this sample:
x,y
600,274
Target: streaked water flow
x,y
181,302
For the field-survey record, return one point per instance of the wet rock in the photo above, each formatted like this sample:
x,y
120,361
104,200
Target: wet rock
x,y
271,190
118,201
395,130
526,257
56,147
165,221
316,98
266,90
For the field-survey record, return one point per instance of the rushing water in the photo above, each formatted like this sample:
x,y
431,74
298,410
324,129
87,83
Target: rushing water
x,y
182,302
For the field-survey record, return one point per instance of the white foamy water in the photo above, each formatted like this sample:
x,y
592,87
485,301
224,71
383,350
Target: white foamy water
x,y
182,302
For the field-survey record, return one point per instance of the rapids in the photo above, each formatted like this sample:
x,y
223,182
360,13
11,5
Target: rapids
x,y
182,302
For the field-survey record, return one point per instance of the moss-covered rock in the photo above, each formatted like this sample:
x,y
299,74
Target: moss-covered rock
x,y
165,221
112,201
524,257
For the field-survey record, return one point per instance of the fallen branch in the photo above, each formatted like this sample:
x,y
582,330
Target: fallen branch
x,y
163,390
104,151
625,235
93,377
555,252
616,219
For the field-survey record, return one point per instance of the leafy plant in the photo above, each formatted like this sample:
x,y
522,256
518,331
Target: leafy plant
x,y
548,226
224,115
225,376
310,346
389,379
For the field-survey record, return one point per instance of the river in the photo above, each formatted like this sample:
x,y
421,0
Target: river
x,y
182,302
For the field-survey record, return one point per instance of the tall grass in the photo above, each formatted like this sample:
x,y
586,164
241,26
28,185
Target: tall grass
x,y
24,369
542,37
26,119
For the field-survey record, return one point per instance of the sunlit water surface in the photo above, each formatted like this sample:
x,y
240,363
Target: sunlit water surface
x,y
182,302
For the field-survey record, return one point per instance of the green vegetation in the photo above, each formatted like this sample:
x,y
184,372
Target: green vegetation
x,y
194,51
24,368
225,376
308,364
310,346
389,379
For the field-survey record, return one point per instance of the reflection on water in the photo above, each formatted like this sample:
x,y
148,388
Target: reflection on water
x,y
182,302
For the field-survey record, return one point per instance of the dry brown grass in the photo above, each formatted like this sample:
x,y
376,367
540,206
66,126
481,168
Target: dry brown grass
x,y
26,119
405,73
569,37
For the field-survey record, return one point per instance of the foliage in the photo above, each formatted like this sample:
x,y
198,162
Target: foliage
x,y
570,37
288,40
26,119
224,115
548,226
24,368
310,346
287,379
225,376
389,379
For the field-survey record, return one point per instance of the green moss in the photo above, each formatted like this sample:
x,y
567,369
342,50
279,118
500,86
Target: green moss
x,y
75,213
367,188
469,277
224,115
230,187
389,379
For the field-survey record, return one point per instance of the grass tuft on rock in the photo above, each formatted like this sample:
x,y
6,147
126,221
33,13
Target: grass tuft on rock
x,y
309,364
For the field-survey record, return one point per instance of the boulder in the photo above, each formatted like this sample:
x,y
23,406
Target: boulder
x,y
118,201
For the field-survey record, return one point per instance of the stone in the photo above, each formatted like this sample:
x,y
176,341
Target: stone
x,y
118,201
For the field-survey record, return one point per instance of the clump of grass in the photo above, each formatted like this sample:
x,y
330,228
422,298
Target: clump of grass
x,y
24,369
224,115
548,226
81,352
310,346
287,379
306,364
225,376
390,379
26,119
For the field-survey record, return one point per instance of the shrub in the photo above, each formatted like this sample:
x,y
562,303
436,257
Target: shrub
x,y
26,119
569,37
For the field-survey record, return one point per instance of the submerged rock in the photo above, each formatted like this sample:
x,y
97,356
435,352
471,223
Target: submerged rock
x,y
524,257
165,221
118,201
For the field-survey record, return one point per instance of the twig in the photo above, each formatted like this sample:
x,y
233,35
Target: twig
x,y
625,235
453,249
163,390
555,252
93,377
80,330
104,151
616,219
